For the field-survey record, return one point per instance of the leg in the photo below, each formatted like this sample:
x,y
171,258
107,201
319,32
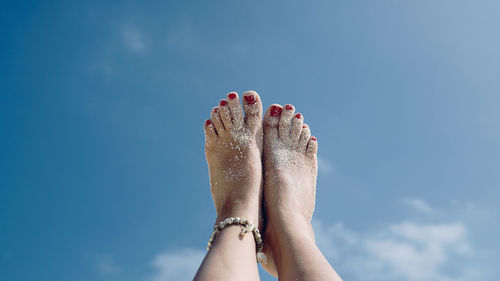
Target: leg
x,y
290,165
233,148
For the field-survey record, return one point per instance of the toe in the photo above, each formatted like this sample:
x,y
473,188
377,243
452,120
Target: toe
x,y
216,121
285,122
297,123
225,114
210,133
271,120
304,138
253,110
312,146
235,108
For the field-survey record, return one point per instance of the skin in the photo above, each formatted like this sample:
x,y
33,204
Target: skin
x,y
238,145
233,148
289,192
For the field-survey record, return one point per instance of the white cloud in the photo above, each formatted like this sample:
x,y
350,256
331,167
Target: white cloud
x,y
133,39
177,266
412,251
403,251
418,205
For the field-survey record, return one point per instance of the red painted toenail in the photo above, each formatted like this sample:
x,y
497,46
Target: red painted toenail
x,y
216,109
289,107
223,102
275,111
208,122
313,138
298,116
232,96
304,126
250,99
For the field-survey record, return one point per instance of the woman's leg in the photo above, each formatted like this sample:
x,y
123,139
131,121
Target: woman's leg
x,y
233,148
290,165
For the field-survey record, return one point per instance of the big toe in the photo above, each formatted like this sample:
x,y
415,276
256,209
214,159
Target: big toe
x,y
252,106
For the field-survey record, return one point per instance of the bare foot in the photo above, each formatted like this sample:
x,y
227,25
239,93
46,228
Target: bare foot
x,y
290,166
233,148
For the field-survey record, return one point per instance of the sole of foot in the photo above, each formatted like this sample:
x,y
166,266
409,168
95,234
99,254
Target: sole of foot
x,y
233,149
290,165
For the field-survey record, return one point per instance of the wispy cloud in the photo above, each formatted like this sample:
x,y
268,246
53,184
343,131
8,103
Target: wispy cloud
x,y
324,165
107,266
418,205
133,39
177,266
403,251
416,251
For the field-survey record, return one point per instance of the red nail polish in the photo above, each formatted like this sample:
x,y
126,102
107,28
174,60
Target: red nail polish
x,y
232,96
208,122
223,102
216,109
304,126
250,99
298,116
275,111
289,107
313,138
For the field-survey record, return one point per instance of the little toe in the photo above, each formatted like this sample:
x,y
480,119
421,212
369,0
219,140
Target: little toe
x,y
210,133
285,122
304,138
216,120
297,123
235,108
312,146
271,121
225,114
252,106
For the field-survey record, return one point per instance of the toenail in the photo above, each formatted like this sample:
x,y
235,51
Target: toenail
x,y
313,138
298,116
289,107
232,96
223,102
208,122
250,99
276,110
304,126
216,109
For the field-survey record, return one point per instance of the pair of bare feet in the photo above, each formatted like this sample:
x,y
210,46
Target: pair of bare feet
x,y
263,170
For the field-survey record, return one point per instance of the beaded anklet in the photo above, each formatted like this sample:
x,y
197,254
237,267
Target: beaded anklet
x,y
246,227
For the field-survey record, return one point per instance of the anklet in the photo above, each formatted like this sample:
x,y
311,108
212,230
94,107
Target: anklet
x,y
246,227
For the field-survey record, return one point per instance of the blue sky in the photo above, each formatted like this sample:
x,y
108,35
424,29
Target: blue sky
x,y
102,169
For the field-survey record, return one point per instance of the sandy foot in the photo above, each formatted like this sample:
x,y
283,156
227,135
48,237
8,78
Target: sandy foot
x,y
233,149
290,166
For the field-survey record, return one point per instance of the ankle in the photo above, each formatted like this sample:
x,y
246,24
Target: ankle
x,y
248,212
281,232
